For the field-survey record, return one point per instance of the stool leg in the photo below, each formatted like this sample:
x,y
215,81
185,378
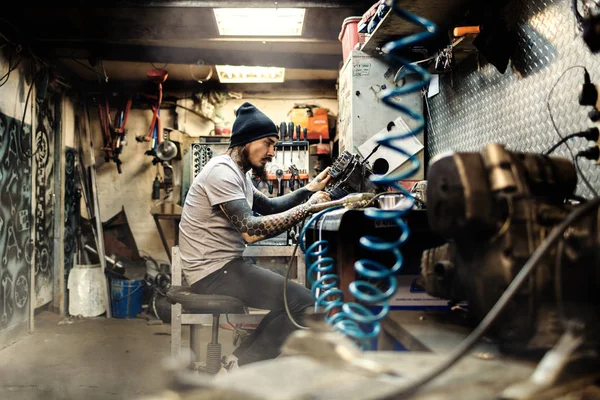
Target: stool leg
x,y
195,341
213,352
176,331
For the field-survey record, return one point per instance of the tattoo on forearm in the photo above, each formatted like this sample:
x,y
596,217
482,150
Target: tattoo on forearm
x,y
266,206
255,228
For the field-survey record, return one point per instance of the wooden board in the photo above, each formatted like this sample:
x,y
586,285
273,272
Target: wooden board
x,y
442,12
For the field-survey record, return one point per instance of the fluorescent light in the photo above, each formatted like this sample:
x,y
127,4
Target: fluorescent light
x,y
259,21
244,74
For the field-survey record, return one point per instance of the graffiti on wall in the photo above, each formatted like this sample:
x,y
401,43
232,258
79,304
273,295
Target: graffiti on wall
x,y
71,202
16,246
44,204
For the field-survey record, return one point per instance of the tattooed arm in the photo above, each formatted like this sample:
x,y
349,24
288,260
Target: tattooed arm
x,y
253,228
267,206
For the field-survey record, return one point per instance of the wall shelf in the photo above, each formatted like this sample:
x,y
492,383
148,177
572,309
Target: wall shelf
x,y
442,12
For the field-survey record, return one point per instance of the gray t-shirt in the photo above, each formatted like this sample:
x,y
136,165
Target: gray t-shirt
x,y
207,239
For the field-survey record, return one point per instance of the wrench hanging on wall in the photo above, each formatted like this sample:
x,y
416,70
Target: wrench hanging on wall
x,y
113,132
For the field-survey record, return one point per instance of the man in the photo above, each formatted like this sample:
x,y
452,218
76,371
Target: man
x,y
218,219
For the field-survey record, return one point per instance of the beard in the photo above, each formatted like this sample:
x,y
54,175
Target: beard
x,y
258,171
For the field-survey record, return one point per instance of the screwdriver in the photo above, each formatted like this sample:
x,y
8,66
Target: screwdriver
x,y
279,175
283,134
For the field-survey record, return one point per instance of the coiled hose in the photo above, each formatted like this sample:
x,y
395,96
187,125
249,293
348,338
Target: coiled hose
x,y
358,320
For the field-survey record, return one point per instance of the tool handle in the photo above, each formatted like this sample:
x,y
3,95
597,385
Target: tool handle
x,y
466,30
305,131
298,132
282,131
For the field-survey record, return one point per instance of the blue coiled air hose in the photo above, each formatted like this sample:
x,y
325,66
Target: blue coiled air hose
x,y
358,320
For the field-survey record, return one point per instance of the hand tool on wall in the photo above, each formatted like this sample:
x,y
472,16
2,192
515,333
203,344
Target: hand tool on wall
x,y
279,175
154,136
290,138
270,187
290,132
282,136
297,140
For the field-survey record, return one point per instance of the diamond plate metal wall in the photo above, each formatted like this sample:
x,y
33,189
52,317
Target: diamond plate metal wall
x,y
478,105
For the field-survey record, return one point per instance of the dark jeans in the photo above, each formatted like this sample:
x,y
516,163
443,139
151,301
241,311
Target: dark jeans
x,y
260,288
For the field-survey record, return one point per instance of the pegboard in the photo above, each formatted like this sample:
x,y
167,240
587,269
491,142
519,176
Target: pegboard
x,y
478,105
201,153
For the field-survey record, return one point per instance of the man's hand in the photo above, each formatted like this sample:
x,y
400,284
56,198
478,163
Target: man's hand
x,y
319,197
320,181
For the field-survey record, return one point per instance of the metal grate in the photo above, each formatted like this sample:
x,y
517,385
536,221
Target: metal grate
x,y
478,105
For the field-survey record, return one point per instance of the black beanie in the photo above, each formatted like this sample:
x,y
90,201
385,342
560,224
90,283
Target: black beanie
x,y
250,124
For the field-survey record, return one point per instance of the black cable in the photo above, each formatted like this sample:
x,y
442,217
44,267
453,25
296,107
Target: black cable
x,y
586,79
590,134
585,180
287,278
11,68
22,130
466,345
550,110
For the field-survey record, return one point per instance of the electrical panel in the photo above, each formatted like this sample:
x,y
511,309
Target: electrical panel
x,y
363,116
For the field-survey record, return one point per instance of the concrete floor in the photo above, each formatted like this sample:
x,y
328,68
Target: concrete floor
x,y
95,358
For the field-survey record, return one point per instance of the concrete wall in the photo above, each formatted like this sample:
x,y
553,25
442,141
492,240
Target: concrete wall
x,y
132,190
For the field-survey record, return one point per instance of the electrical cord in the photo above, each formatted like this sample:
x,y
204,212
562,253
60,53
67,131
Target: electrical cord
x,y
591,134
22,130
467,344
591,153
287,278
587,80
11,68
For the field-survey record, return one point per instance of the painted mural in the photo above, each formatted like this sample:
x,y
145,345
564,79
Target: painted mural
x,y
44,203
16,246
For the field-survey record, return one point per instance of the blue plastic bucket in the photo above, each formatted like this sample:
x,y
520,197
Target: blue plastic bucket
x,y
126,298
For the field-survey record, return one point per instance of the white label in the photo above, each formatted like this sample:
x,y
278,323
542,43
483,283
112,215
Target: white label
x,y
361,69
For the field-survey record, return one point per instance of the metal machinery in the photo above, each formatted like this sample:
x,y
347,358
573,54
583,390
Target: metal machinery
x,y
349,175
495,209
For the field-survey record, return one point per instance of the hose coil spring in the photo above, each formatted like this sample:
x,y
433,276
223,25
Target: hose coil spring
x,y
357,320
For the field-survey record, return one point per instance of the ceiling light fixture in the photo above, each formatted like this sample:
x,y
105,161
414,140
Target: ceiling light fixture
x,y
260,21
244,74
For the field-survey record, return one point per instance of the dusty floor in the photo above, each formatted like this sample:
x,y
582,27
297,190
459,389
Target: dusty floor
x,y
89,359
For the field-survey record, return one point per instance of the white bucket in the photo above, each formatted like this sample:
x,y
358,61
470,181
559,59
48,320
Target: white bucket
x,y
87,290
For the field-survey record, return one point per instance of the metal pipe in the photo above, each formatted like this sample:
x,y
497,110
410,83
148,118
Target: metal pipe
x,y
117,264
215,329
351,198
